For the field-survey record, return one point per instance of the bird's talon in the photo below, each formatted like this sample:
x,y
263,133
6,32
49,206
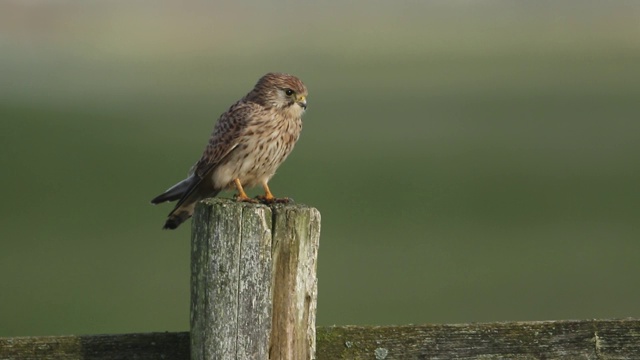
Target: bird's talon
x,y
274,200
240,198
264,199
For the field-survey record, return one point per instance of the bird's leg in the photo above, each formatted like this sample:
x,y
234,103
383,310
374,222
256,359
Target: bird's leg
x,y
242,196
268,196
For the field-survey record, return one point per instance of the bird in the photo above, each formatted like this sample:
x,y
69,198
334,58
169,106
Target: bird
x,y
248,144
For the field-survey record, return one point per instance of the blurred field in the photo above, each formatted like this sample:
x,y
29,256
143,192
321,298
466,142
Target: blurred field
x,y
471,161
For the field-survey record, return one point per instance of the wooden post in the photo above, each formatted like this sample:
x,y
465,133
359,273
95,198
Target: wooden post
x,y
253,281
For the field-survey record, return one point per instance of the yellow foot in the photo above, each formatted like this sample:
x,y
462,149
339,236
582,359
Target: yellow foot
x,y
242,196
245,198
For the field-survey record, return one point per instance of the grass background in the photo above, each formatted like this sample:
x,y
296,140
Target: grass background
x,y
472,161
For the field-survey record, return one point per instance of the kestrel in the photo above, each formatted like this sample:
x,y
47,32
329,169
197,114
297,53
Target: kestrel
x,y
247,145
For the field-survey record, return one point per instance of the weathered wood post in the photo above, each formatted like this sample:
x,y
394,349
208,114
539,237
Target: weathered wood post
x,y
253,281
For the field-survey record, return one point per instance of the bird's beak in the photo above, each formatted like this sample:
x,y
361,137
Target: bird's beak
x,y
302,101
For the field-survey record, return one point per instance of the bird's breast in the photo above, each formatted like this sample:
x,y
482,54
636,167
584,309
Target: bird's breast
x,y
260,151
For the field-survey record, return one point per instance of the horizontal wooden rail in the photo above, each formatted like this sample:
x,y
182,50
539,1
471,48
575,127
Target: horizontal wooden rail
x,y
575,339
146,346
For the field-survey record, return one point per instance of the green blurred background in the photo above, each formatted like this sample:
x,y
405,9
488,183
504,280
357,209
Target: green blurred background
x,y
472,161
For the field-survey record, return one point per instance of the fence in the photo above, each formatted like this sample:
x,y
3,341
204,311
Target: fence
x,y
253,296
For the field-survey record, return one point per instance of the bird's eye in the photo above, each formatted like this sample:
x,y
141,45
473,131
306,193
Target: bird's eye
x,y
289,92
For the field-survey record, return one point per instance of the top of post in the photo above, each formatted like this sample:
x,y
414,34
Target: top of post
x,y
243,204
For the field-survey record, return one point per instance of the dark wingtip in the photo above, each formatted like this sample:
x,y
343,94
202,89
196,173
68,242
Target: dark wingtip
x,y
166,196
158,199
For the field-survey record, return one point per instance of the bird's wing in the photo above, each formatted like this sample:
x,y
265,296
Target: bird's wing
x,y
225,138
227,135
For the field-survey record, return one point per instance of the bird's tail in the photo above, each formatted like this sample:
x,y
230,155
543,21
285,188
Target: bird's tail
x,y
185,207
178,216
188,191
177,191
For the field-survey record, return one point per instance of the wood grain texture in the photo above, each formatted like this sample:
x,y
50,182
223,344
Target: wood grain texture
x,y
588,339
255,290
230,281
296,237
575,339
253,281
147,346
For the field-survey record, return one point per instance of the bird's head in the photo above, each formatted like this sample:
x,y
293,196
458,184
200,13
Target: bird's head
x,y
281,91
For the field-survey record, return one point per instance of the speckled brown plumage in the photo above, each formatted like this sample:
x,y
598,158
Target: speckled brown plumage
x,y
248,143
